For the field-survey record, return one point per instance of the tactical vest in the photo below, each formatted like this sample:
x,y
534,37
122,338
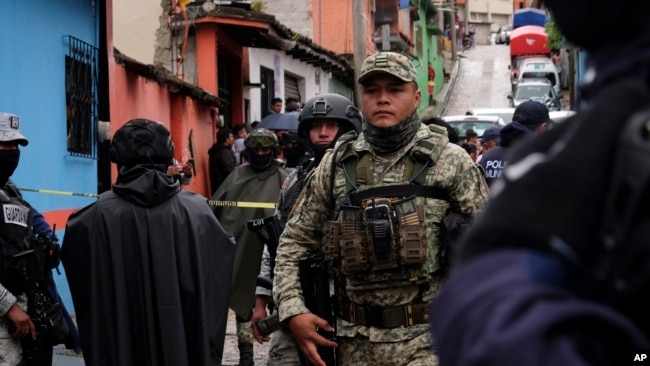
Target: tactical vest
x,y
386,235
15,238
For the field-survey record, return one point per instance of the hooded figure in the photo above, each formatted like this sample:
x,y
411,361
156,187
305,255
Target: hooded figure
x,y
148,265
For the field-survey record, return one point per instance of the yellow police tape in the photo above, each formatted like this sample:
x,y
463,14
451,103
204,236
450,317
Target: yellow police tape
x,y
243,204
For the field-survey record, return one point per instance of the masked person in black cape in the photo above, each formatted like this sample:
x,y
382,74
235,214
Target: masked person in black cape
x,y
149,265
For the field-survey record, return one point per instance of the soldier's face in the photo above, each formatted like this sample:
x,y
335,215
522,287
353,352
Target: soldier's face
x,y
387,100
323,132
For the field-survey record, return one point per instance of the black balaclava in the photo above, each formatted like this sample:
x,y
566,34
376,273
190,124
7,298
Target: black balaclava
x,y
614,50
387,140
260,162
8,164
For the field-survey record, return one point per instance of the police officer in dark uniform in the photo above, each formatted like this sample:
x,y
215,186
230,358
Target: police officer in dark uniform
x,y
556,271
15,238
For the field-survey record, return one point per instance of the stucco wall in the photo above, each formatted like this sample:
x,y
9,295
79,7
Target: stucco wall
x,y
294,14
133,96
134,27
266,58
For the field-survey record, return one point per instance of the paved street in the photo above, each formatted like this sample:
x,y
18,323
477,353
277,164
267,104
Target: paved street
x,y
483,80
230,353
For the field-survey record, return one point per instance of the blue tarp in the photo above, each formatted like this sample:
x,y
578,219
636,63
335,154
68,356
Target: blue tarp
x,y
528,16
403,4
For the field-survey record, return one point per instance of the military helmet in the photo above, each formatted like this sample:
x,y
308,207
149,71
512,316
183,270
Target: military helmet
x,y
329,106
262,137
142,141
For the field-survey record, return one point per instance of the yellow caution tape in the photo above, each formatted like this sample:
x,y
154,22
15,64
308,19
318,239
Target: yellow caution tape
x,y
50,191
243,204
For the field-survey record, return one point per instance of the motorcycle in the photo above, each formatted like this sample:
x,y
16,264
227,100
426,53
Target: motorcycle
x,y
467,42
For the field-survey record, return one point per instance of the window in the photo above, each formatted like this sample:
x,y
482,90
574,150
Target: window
x,y
224,69
291,88
81,65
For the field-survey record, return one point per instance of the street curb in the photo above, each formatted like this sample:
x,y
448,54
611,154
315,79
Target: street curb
x,y
450,86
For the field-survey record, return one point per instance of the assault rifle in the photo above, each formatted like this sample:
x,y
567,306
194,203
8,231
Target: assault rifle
x,y
315,283
268,230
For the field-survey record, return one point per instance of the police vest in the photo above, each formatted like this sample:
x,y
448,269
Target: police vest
x,y
386,235
15,238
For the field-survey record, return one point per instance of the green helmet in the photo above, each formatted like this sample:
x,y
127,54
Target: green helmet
x,y
262,137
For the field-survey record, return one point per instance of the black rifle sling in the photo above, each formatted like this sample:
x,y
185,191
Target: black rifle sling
x,y
402,190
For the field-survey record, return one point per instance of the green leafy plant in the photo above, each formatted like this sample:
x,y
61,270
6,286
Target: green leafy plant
x,y
257,6
553,35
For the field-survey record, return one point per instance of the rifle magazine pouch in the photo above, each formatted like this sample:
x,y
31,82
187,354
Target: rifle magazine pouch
x,y
353,252
413,249
331,240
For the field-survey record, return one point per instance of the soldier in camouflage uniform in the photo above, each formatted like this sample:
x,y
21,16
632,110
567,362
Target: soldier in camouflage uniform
x,y
323,120
364,209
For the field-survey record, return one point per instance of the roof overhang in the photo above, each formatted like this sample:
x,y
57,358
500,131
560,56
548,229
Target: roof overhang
x,y
165,77
259,30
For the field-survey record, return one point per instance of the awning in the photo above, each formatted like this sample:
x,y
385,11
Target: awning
x,y
528,16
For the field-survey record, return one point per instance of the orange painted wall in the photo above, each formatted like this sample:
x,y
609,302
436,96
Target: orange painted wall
x,y
210,40
337,30
133,96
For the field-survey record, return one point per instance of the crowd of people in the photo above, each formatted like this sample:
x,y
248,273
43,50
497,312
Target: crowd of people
x,y
550,267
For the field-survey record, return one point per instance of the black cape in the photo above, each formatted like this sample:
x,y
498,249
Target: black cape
x,y
149,268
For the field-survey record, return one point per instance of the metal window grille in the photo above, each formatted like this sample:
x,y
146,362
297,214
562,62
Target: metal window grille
x,y
81,75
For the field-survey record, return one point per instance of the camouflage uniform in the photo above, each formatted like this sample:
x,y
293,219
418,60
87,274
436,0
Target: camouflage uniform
x,y
454,172
283,349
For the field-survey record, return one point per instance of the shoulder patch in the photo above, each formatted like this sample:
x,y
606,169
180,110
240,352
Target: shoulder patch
x,y
423,133
437,129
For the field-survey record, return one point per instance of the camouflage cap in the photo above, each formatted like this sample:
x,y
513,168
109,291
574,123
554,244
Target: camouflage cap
x,y
391,63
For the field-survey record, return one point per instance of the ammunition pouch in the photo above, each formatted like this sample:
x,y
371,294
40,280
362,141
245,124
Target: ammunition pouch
x,y
381,234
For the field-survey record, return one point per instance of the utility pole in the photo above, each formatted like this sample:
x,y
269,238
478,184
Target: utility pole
x,y
454,43
359,42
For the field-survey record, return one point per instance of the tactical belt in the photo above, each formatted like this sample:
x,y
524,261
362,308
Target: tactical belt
x,y
384,317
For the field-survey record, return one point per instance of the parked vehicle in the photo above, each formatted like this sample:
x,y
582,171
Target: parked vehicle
x,y
539,90
539,68
528,16
504,113
477,123
525,42
503,34
559,116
